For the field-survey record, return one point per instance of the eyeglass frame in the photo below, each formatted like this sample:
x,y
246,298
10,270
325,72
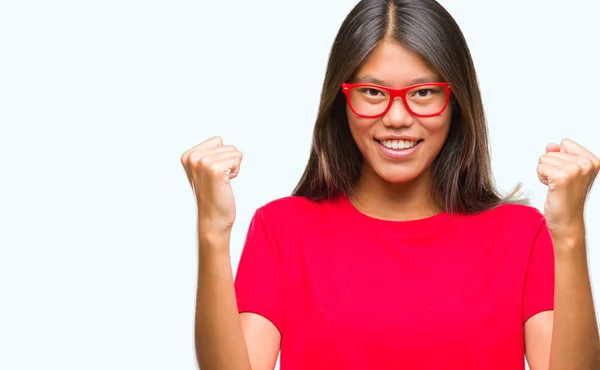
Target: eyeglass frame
x,y
347,87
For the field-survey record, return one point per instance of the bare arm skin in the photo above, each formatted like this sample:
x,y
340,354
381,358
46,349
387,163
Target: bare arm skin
x,y
566,338
575,343
225,339
219,339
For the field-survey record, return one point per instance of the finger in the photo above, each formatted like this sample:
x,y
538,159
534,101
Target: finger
x,y
564,161
584,163
574,148
223,163
543,170
210,143
213,155
563,156
217,156
551,175
196,154
552,148
217,150
213,142
208,153
562,148
229,167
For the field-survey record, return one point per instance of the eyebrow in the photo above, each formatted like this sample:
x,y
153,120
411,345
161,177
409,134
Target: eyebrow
x,y
416,81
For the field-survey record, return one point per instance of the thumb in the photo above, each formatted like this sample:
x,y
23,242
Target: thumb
x,y
553,148
563,149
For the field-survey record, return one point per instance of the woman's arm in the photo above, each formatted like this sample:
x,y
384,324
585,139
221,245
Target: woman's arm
x,y
262,339
566,338
219,339
224,339
575,341
569,171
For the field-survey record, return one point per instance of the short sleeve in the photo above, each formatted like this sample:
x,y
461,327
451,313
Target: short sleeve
x,y
259,276
538,295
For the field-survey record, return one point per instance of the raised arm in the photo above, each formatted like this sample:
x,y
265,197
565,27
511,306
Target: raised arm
x,y
224,339
569,170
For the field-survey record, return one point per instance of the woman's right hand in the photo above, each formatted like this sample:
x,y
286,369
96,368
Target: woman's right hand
x,y
210,166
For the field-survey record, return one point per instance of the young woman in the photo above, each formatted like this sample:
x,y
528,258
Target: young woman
x,y
395,250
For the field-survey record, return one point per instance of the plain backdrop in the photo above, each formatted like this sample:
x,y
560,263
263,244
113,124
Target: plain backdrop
x,y
99,99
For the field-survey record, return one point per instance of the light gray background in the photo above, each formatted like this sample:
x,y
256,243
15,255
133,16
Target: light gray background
x,y
98,100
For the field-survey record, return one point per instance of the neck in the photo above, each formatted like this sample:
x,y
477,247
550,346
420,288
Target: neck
x,y
405,201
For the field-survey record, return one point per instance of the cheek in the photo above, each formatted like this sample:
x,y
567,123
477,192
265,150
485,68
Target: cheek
x,y
359,128
438,129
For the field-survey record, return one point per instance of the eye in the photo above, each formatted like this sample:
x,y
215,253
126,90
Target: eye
x,y
371,92
423,93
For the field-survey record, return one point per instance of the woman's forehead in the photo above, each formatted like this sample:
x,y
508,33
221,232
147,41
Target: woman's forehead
x,y
391,64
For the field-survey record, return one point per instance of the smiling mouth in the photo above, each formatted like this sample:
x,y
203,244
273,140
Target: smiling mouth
x,y
399,144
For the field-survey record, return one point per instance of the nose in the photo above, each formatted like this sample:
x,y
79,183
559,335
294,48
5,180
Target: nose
x,y
398,116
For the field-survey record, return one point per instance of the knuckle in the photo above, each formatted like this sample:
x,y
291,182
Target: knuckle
x,y
215,139
194,156
586,166
586,162
203,161
193,159
219,142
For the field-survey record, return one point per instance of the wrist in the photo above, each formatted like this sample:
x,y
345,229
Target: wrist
x,y
212,229
213,238
569,238
568,232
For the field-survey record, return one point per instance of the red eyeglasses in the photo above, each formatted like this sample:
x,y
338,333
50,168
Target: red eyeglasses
x,y
422,100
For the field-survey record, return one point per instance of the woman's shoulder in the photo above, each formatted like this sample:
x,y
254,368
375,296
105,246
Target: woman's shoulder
x,y
518,212
292,208
512,216
289,216
289,202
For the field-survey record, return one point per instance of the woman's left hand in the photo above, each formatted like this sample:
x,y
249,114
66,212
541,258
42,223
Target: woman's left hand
x,y
569,171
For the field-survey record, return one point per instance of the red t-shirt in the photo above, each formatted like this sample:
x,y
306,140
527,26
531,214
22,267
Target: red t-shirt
x,y
352,292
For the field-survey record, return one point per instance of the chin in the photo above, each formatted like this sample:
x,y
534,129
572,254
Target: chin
x,y
397,174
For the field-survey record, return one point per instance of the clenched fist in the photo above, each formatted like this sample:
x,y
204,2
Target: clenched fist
x,y
210,166
569,170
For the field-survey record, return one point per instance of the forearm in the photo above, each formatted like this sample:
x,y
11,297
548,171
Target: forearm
x,y
219,340
575,342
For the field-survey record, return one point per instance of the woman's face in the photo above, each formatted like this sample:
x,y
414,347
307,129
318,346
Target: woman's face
x,y
397,146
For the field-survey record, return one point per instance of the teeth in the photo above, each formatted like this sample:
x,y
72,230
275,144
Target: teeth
x,y
398,144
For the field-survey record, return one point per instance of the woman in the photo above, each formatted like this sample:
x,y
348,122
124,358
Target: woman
x,y
395,250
